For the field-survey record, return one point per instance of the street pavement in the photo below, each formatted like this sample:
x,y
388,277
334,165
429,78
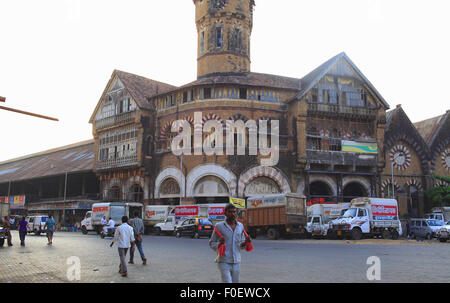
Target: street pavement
x,y
186,260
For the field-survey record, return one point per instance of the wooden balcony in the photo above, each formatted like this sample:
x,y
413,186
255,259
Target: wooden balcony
x,y
118,162
326,109
115,120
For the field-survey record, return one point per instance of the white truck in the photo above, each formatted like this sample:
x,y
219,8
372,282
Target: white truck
x,y
113,210
368,217
215,212
155,214
320,215
440,214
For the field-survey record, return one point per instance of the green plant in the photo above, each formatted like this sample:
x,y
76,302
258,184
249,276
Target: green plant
x,y
439,195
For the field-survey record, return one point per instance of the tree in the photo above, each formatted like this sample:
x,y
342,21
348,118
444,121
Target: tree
x,y
439,195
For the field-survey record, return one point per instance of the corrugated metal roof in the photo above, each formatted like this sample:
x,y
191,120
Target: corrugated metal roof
x,y
71,158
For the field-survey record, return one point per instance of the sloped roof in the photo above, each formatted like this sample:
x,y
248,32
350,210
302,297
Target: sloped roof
x,y
428,127
76,157
140,88
311,79
250,79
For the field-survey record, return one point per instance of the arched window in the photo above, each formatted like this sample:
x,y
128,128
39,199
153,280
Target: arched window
x,y
413,201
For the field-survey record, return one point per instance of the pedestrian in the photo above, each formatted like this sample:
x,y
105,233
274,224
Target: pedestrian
x,y
138,228
110,226
104,221
50,224
231,234
7,227
125,239
23,229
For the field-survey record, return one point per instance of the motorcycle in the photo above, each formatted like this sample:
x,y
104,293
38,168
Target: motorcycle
x,y
110,233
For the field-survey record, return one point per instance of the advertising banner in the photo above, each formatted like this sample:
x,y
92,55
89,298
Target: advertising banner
x,y
17,202
384,212
216,213
239,203
359,147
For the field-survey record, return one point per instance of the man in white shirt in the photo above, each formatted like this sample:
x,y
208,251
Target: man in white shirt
x,y
109,225
124,236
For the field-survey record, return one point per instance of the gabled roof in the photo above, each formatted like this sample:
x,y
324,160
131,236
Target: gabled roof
x,y
140,88
78,157
400,127
311,79
428,127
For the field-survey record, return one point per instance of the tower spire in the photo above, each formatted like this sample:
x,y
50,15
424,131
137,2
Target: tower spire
x,y
224,29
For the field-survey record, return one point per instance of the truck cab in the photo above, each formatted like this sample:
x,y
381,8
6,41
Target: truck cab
x,y
166,227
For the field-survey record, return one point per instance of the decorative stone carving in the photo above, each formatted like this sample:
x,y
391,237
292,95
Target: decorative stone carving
x,y
262,186
400,156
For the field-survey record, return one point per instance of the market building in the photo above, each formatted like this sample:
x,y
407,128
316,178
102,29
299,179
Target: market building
x,y
337,138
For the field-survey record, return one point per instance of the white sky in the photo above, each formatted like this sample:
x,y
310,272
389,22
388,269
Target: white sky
x,y
56,56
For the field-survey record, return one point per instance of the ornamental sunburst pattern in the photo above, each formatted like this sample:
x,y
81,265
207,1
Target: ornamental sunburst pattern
x,y
400,156
446,159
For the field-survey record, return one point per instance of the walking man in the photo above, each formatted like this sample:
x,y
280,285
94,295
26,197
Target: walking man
x,y
7,227
23,229
230,233
50,224
124,238
138,227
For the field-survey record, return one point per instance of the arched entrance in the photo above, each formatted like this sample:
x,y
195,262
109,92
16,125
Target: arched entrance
x,y
354,190
320,190
211,189
169,192
262,186
413,201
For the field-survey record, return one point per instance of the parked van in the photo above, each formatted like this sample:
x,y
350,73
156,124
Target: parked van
x,y
423,228
30,220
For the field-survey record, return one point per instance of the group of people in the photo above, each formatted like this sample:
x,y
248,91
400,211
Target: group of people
x,y
23,230
229,234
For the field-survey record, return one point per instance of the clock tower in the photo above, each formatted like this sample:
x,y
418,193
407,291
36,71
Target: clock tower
x,y
224,28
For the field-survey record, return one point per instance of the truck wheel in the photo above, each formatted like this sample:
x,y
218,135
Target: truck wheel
x,y
84,230
177,234
442,240
386,234
252,233
273,234
158,231
102,235
332,235
395,235
2,242
196,236
428,237
356,234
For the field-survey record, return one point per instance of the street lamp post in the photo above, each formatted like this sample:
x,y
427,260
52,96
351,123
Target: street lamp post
x,y
392,173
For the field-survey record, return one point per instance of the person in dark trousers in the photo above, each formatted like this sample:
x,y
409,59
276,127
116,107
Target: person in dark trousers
x,y
138,228
23,229
7,227
50,224
125,239
231,233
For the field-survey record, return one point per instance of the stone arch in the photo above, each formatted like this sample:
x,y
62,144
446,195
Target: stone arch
x,y
360,180
326,179
204,170
170,173
415,183
263,171
419,148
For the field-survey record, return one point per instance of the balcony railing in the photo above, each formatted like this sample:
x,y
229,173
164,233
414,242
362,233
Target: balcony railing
x,y
115,120
337,109
118,162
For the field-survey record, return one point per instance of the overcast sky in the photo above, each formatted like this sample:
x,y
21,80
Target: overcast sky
x,y
56,56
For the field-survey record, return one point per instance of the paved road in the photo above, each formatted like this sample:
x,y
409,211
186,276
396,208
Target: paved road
x,y
187,260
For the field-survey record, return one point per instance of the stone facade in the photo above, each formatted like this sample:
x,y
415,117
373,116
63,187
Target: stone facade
x,y
337,139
